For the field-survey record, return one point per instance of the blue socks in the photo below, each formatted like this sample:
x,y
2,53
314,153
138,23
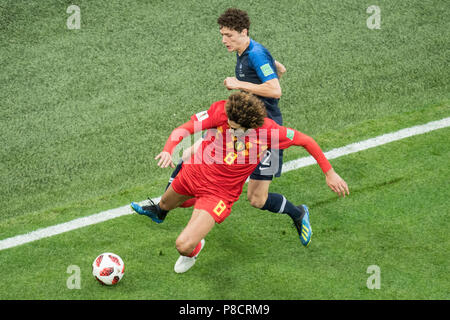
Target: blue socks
x,y
279,204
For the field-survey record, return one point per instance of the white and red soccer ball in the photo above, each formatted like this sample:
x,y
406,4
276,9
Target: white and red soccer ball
x,y
108,268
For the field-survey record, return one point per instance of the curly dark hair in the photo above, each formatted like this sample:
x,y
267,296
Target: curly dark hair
x,y
246,110
234,19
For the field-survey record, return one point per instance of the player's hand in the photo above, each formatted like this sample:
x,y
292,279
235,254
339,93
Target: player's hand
x,y
165,160
231,83
336,183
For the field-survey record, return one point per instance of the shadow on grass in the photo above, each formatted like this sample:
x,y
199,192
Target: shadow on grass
x,y
363,189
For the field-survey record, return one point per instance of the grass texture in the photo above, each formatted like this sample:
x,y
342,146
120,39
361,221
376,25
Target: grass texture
x,y
84,112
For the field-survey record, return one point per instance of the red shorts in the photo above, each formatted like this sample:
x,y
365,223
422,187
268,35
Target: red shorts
x,y
219,208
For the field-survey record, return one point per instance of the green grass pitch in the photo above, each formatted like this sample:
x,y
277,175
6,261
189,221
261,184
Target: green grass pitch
x,y
83,113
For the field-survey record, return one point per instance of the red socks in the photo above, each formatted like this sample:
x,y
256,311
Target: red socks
x,y
196,250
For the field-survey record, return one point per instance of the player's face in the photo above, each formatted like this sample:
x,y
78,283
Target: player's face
x,y
234,40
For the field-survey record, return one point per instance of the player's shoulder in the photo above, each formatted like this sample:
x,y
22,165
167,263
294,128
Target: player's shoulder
x,y
257,49
215,112
218,106
217,109
269,124
261,60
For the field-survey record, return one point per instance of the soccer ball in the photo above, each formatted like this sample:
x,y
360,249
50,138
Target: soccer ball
x,y
108,268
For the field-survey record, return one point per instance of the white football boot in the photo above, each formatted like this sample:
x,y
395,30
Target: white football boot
x,y
184,263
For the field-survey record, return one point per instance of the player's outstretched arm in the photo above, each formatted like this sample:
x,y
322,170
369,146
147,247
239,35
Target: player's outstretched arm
x,y
289,137
333,180
177,135
198,122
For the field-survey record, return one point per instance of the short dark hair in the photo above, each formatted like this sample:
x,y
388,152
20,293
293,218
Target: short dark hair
x,y
234,19
246,110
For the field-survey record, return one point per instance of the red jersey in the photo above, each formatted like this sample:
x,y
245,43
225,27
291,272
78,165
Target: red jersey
x,y
223,162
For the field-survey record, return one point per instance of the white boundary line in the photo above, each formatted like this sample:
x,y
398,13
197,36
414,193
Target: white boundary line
x,y
288,166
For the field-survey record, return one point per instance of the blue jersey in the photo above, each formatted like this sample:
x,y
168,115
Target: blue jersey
x,y
256,65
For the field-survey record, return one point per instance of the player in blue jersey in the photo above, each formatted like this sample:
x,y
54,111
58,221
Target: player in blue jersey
x,y
258,73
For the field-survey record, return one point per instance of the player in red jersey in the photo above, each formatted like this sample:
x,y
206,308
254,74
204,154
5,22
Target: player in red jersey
x,y
238,134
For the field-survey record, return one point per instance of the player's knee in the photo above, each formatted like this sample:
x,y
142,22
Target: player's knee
x,y
184,245
257,200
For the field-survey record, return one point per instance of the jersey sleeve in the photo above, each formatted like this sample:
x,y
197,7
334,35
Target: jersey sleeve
x,y
200,121
264,65
290,137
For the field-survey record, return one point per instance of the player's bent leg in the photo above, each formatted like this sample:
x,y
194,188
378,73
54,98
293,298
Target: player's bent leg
x,y
257,192
191,240
158,212
171,199
259,197
198,227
